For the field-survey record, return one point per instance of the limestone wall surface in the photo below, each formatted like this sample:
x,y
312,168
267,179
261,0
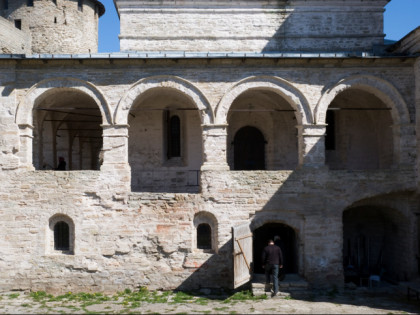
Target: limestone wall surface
x,y
250,26
124,238
13,40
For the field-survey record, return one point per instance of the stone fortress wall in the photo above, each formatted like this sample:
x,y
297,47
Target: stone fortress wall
x,y
128,238
59,26
133,208
13,40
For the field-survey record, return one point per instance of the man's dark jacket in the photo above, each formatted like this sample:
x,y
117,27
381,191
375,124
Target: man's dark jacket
x,y
272,255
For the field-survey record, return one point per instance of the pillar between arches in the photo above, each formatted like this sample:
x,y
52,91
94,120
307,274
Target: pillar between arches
x,y
25,148
311,145
115,148
214,148
404,136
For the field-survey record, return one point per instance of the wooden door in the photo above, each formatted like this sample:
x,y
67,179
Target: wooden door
x,y
242,254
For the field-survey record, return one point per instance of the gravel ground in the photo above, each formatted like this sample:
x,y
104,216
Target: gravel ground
x,y
358,301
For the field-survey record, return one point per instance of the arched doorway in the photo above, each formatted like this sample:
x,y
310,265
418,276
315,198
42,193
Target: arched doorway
x,y
289,243
375,242
249,149
261,133
164,144
359,133
67,128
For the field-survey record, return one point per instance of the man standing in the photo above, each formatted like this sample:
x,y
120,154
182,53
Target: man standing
x,y
272,260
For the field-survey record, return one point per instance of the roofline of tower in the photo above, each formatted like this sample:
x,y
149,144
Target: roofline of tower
x,y
101,7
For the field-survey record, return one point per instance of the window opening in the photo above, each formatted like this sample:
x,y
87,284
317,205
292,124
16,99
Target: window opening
x,y
55,19
80,5
55,2
30,3
249,149
18,24
174,137
330,131
204,236
61,236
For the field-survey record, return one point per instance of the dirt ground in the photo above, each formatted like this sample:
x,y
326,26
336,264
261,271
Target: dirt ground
x,y
348,301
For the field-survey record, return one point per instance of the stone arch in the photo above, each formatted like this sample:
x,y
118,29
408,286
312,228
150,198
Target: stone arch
x,y
381,231
381,88
53,220
24,110
277,85
169,82
205,217
290,230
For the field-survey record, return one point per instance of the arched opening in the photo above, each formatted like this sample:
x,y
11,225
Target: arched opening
x,y
375,241
262,132
205,225
249,149
61,236
164,144
359,133
67,128
288,244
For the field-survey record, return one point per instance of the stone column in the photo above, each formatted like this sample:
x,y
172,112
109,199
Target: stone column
x,y
25,147
115,148
214,148
311,139
404,143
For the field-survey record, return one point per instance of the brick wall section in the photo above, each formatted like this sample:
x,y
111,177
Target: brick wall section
x,y
13,40
251,25
60,28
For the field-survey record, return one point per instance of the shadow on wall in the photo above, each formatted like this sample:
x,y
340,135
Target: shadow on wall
x,y
309,200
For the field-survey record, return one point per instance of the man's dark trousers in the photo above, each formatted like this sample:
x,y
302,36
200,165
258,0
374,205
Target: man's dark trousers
x,y
272,270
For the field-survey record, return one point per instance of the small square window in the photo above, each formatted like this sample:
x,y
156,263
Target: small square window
x,y
18,24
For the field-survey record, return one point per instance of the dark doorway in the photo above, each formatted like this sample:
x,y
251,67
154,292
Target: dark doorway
x,y
249,149
289,245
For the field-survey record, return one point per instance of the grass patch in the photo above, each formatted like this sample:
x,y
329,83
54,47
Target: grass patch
x,y
182,297
202,301
244,296
221,309
13,296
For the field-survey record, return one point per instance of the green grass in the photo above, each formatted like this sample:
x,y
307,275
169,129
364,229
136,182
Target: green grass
x,y
130,300
13,296
224,308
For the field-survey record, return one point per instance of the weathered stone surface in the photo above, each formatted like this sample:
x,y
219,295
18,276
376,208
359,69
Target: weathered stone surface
x,y
133,211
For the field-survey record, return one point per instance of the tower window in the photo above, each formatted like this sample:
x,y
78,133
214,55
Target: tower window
x,y
4,4
61,236
80,5
174,137
18,24
55,2
204,236
30,3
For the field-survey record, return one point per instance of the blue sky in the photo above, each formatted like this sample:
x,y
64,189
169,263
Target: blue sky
x,y
401,17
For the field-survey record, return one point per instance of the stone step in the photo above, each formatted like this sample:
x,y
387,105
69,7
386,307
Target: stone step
x,y
292,283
